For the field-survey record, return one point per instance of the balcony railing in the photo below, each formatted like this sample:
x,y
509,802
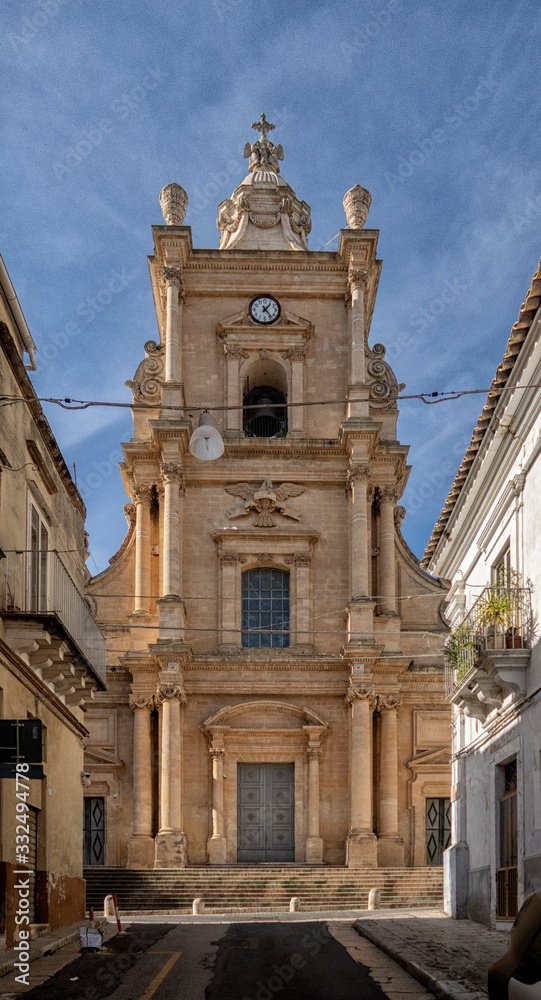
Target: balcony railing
x,y
38,583
501,618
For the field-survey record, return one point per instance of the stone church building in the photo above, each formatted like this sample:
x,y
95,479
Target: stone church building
x,y
275,681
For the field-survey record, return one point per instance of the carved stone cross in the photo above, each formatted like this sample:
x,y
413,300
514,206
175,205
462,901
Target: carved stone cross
x,y
263,126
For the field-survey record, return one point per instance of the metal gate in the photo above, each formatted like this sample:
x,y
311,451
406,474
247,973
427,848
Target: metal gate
x,y
438,829
94,831
265,812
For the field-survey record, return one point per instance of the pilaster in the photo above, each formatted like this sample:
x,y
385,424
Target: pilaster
x,y
361,844
170,844
141,844
390,845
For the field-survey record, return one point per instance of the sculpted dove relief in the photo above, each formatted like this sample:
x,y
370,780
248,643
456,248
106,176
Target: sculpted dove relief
x,y
265,501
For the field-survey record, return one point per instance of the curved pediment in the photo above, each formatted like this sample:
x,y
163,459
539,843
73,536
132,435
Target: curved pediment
x,y
265,714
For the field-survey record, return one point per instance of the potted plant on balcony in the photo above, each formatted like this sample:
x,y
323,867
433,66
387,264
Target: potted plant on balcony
x,y
495,616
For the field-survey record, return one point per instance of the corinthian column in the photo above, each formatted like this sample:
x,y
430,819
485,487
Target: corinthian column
x,y
361,842
172,479
360,604
173,282
141,496
170,841
170,604
388,498
390,847
358,402
141,844
217,843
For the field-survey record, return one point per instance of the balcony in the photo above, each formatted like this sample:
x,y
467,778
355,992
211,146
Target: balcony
x,y
487,655
49,624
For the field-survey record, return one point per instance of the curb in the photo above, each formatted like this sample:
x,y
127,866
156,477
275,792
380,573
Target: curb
x,y
48,946
445,990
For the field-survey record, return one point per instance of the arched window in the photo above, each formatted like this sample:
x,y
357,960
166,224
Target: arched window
x,y
265,396
265,608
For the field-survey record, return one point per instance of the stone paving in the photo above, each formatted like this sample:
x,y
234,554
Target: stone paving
x,y
448,957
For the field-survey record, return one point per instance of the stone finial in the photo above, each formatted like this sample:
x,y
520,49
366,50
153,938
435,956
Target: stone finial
x,y
357,203
174,202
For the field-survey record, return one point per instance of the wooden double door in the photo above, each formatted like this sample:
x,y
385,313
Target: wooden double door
x,y
265,813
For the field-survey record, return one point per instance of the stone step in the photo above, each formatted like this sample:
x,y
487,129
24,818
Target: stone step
x,y
248,889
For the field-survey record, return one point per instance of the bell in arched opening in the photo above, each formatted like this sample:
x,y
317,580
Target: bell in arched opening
x,y
265,412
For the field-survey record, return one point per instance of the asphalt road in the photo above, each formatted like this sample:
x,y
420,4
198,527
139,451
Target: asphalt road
x,y
238,961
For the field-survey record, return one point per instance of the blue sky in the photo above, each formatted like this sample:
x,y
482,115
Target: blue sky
x,y
433,107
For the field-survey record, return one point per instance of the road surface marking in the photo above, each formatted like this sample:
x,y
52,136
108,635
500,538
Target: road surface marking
x,y
150,991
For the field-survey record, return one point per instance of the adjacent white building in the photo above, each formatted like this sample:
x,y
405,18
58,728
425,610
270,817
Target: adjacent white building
x,y
487,543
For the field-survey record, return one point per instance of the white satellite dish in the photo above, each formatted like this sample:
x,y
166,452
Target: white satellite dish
x,y
206,443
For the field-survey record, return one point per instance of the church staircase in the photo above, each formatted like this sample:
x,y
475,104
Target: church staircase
x,y
261,888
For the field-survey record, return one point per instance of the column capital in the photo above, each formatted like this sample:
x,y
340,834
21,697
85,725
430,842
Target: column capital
x,y
217,753
228,558
355,693
236,352
359,473
170,692
142,492
172,276
172,472
389,494
389,702
138,702
297,353
314,753
357,279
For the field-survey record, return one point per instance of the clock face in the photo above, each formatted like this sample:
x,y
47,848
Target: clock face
x,y
264,309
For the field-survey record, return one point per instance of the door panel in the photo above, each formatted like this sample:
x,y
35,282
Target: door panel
x,y
438,829
94,831
265,813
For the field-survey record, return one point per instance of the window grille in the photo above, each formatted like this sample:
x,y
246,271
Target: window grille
x,y
265,608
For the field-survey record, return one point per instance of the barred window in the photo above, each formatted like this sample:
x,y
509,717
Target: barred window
x,y
265,608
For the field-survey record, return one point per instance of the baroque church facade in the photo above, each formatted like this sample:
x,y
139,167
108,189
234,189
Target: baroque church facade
x,y
275,681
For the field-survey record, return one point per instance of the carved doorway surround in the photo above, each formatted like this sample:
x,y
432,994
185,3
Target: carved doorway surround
x,y
264,733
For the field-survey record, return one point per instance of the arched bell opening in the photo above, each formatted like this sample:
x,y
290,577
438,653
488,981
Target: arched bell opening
x,y
265,400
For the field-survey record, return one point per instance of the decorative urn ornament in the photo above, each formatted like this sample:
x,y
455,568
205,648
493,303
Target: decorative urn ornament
x,y
174,202
357,203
